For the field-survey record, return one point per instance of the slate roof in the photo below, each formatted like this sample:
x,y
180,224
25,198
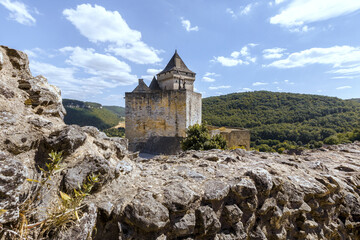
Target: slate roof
x,y
142,87
172,65
154,85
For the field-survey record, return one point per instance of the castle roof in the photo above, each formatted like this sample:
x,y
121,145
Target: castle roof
x,y
176,63
154,85
142,87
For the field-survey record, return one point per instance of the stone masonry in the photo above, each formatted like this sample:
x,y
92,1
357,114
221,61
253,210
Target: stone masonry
x,y
157,116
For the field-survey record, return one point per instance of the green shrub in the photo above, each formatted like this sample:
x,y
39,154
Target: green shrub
x,y
199,138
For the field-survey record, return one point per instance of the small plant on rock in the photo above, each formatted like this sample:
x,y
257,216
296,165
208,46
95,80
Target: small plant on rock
x,y
64,211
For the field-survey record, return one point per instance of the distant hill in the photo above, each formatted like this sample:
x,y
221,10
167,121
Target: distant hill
x,y
354,99
300,118
92,114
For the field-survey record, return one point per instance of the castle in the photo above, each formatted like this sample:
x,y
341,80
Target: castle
x,y
158,115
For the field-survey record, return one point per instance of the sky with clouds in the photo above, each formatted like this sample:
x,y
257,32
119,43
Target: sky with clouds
x,y
96,50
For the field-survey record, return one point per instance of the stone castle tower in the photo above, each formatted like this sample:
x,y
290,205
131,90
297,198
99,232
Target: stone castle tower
x,y
157,116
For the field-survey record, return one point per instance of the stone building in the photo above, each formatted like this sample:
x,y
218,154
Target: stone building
x,y
158,115
235,137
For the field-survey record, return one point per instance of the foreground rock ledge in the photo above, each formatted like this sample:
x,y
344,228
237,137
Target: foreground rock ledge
x,y
195,195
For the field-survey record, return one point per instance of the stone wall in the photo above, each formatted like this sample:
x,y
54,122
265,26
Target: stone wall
x,y
234,137
160,114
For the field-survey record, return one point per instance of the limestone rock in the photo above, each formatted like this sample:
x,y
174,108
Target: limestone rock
x,y
12,177
207,222
146,213
178,197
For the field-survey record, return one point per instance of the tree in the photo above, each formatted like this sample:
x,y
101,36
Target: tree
x,y
199,138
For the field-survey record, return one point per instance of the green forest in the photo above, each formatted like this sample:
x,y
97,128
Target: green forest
x,y
94,114
281,121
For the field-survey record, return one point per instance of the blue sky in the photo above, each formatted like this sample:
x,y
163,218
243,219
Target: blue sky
x,y
96,50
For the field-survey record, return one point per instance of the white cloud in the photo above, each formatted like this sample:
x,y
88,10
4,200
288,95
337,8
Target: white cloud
x,y
246,90
208,79
231,12
259,84
288,82
219,87
65,79
18,12
208,74
137,52
300,12
228,62
279,1
343,87
273,53
187,25
348,70
88,75
336,56
301,29
246,10
99,25
153,71
100,65
237,57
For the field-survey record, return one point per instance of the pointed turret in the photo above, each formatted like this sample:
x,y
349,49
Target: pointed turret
x,y
154,85
142,87
176,75
176,63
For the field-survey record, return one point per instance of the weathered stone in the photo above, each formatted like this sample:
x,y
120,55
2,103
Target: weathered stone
x,y
215,190
207,222
185,226
232,214
91,164
262,179
146,213
245,188
178,197
12,177
66,140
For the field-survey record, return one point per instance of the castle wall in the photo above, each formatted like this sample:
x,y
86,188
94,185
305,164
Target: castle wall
x,y
193,108
151,116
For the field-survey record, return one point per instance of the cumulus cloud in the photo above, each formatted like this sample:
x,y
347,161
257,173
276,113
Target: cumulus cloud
x,y
219,87
273,53
65,79
343,87
259,84
153,71
88,74
237,57
109,26
18,12
301,12
187,25
100,65
336,56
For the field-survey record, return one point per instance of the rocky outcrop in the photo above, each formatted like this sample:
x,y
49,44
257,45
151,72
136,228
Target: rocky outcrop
x,y
195,195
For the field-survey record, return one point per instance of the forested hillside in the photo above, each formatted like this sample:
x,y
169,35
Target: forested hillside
x,y
94,114
277,117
